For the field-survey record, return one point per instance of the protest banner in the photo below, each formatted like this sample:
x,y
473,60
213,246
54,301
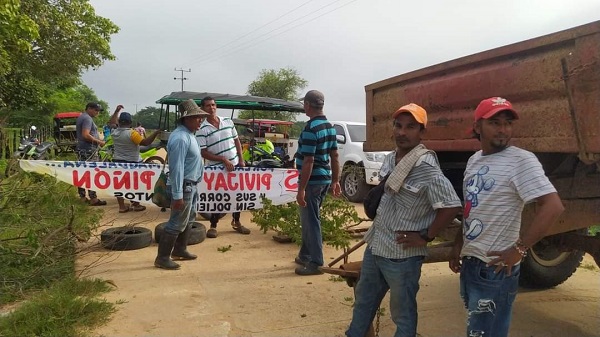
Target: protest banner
x,y
219,191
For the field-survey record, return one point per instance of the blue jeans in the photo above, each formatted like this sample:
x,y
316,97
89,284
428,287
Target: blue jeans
x,y
377,275
179,219
488,297
87,155
311,250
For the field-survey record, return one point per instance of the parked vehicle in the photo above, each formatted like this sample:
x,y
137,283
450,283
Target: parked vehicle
x,y
29,149
359,169
65,135
554,83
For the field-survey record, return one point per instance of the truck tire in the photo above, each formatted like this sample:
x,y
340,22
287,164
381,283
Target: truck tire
x,y
354,186
547,266
126,238
197,236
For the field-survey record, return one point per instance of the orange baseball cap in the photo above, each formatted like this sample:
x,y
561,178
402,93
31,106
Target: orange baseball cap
x,y
416,111
491,106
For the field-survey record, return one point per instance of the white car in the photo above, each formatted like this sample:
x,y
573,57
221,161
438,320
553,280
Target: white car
x,y
360,170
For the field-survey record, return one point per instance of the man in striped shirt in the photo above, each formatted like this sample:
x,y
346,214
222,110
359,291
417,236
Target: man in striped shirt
x,y
499,180
406,220
317,147
220,145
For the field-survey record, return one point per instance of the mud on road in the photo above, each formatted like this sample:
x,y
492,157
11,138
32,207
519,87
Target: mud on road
x,y
251,290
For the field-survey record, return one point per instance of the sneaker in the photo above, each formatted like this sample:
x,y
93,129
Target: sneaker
x,y
299,261
212,233
308,270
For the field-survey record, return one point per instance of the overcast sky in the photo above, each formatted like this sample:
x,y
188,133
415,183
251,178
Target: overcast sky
x,y
338,46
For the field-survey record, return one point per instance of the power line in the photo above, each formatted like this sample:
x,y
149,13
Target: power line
x,y
243,36
182,78
251,42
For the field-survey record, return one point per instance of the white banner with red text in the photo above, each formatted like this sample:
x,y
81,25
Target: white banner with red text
x,y
218,192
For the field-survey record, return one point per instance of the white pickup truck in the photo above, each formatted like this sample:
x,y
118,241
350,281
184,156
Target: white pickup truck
x,y
360,170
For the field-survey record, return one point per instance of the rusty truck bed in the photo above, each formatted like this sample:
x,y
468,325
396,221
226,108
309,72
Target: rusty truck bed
x,y
553,81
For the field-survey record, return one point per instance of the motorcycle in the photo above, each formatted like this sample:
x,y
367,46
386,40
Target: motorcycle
x,y
29,149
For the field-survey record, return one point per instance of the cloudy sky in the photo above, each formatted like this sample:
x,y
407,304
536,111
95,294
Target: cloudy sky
x,y
338,46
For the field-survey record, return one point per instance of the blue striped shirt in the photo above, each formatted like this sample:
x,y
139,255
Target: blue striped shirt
x,y
413,208
316,140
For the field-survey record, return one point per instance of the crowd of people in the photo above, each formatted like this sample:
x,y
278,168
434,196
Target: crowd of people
x,y
417,204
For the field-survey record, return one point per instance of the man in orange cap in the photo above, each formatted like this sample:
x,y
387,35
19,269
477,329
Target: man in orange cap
x,y
419,201
499,180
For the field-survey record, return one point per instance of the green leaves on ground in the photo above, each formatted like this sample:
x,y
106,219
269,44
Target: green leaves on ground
x,y
41,219
337,215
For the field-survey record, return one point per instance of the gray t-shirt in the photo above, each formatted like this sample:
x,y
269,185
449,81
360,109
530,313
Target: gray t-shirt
x,y
85,121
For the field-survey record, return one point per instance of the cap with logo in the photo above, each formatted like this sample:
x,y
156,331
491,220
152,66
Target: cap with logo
x,y
94,105
489,107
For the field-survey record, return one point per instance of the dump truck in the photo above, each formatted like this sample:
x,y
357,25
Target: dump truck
x,y
553,82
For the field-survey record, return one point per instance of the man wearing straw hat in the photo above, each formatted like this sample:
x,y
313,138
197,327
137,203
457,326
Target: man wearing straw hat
x,y
185,171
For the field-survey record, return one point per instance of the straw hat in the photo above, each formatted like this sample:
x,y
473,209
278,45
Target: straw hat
x,y
189,108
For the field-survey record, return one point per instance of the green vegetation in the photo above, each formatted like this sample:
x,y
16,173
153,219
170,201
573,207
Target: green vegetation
x,y
337,215
285,84
594,230
45,46
224,249
41,221
69,308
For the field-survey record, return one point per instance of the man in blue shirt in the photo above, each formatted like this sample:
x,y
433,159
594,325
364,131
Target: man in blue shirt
x,y
185,171
317,147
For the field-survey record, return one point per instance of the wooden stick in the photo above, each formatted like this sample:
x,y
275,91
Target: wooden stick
x,y
353,248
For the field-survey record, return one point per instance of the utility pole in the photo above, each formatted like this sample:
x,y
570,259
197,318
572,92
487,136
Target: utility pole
x,y
182,78
136,104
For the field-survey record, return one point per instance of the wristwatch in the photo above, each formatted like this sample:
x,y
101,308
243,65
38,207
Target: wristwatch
x,y
424,234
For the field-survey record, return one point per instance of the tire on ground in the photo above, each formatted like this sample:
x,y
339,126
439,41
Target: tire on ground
x,y
206,216
126,238
197,236
547,266
354,186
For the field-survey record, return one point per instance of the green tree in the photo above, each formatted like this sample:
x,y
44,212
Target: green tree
x,y
63,38
284,83
150,116
61,100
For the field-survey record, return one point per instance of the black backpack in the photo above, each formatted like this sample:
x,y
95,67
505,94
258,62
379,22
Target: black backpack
x,y
373,198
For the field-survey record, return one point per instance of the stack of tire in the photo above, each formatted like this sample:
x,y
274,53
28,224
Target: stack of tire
x,y
132,237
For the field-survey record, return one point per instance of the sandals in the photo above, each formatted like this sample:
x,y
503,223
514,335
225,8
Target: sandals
x,y
237,226
98,203
212,233
138,208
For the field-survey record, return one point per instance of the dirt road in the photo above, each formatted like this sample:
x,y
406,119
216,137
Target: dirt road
x,y
251,290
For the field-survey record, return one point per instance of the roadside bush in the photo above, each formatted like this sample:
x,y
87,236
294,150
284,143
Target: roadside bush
x,y
337,215
41,219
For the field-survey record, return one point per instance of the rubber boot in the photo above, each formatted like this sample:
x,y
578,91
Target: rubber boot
x,y
180,251
165,246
